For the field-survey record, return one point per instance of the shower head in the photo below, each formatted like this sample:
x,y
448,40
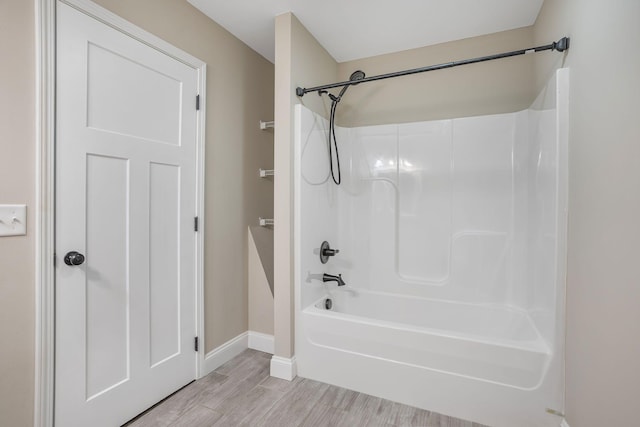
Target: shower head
x,y
356,75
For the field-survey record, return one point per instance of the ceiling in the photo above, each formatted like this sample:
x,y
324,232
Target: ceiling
x,y
354,29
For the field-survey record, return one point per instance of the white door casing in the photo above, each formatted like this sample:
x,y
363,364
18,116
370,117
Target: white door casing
x,y
126,181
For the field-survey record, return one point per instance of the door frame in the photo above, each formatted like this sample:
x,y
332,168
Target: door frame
x,y
45,37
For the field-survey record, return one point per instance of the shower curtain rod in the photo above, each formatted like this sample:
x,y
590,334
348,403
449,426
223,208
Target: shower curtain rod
x,y
561,45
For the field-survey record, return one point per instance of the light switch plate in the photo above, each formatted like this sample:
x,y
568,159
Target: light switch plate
x,y
13,220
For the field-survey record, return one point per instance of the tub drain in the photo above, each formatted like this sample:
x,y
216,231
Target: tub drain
x,y
328,304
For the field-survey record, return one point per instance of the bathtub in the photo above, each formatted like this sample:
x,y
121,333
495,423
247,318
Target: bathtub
x,y
494,344
449,357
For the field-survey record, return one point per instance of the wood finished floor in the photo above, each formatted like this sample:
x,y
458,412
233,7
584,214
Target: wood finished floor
x,y
241,393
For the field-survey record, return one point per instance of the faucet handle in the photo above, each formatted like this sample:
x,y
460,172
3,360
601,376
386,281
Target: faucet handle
x,y
326,252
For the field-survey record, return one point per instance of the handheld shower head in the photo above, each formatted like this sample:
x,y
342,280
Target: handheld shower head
x,y
356,75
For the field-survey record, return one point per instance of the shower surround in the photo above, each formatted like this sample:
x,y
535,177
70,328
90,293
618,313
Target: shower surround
x,y
452,239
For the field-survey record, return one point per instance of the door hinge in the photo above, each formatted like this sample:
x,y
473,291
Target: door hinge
x,y
197,102
195,344
195,223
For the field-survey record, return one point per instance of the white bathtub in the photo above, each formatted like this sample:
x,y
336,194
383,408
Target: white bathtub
x,y
493,344
482,363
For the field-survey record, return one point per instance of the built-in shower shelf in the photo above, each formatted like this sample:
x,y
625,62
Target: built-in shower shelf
x,y
263,173
265,222
266,125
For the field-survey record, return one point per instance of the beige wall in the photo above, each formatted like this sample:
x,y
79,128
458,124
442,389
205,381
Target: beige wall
x,y
260,296
603,288
484,88
17,185
239,95
300,61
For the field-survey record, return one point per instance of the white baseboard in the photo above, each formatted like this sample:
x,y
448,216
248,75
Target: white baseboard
x,y
285,368
261,342
564,423
224,353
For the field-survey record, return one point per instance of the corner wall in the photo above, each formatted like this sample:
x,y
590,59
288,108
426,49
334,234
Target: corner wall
x,y
300,61
603,319
260,295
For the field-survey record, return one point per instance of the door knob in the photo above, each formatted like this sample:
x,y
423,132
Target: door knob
x,y
73,258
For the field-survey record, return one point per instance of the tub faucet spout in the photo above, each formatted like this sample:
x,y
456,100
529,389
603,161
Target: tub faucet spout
x,y
331,278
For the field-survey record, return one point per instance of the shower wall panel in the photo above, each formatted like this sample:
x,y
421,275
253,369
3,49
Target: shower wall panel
x,y
428,208
318,196
544,227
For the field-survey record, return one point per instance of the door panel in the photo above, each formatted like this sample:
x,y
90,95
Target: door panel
x,y
119,87
125,198
107,273
164,289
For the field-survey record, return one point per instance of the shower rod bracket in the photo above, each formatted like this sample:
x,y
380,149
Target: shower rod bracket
x,y
559,46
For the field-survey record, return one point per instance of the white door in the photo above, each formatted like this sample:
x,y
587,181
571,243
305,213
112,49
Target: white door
x,y
125,200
